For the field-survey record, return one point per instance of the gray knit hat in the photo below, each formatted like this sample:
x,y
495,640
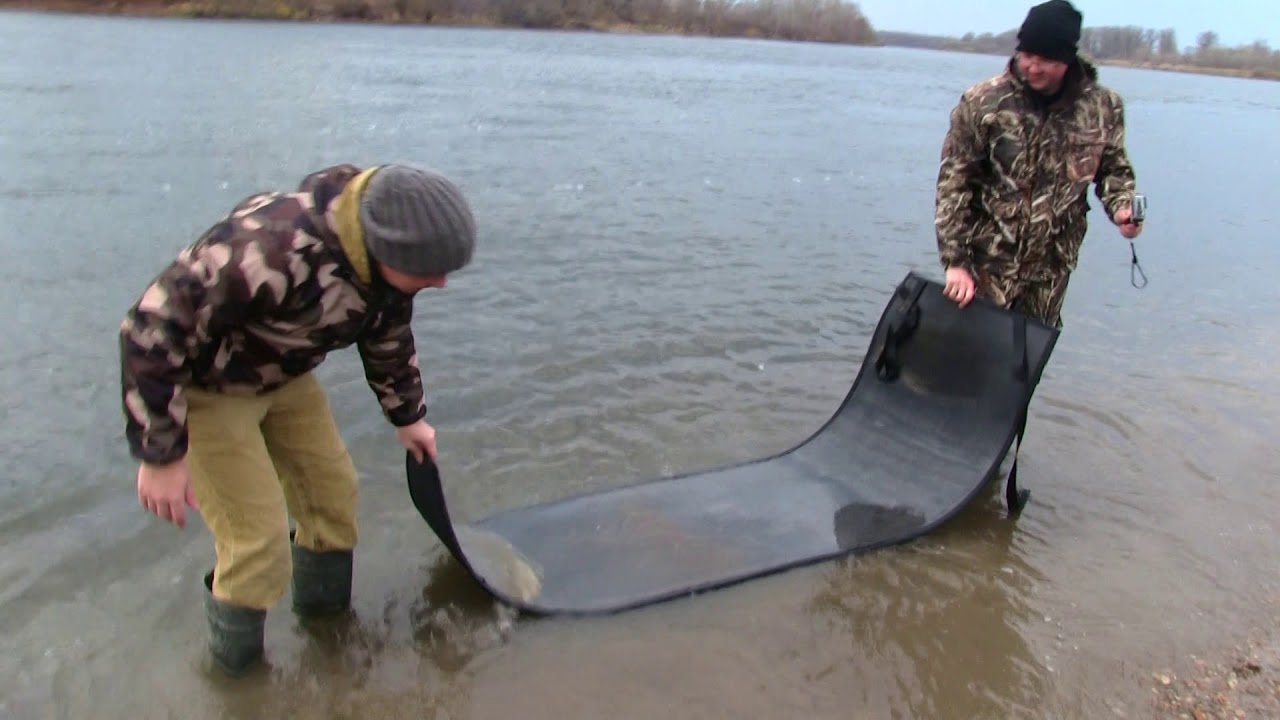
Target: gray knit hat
x,y
416,221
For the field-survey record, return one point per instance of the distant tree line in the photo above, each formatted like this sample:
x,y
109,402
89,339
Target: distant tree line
x,y
1121,44
832,21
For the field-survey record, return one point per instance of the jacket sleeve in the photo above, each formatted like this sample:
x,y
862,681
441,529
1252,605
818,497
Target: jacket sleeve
x,y
391,364
962,157
1115,182
211,286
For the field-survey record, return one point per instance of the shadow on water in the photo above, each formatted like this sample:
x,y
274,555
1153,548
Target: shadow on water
x,y
944,625
453,613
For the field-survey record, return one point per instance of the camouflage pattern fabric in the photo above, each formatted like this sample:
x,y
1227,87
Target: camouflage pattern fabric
x,y
259,299
1040,299
1013,183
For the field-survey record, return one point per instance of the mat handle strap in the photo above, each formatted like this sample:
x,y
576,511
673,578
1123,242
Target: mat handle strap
x,y
1016,498
902,325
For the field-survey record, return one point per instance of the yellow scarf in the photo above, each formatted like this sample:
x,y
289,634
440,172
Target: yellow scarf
x,y
346,215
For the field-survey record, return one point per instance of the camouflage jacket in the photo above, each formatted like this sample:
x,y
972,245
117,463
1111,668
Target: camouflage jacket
x,y
1014,178
260,298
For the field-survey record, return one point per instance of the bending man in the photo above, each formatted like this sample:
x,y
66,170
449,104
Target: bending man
x,y
222,409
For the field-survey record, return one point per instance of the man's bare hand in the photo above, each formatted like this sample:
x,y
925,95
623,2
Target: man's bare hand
x,y
165,490
1128,229
959,286
419,439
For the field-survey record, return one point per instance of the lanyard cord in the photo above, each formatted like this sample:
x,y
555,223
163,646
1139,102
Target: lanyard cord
x,y
1135,269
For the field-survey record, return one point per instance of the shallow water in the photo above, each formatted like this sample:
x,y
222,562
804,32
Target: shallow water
x,y
686,244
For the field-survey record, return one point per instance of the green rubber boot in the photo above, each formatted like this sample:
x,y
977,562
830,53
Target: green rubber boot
x,y
235,633
321,582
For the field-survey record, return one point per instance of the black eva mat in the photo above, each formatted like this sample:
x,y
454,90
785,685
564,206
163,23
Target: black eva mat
x,y
939,400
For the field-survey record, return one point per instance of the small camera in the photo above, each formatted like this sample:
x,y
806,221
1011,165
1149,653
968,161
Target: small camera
x,y
1139,209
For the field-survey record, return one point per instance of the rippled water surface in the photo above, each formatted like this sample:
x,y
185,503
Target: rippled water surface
x,y
685,246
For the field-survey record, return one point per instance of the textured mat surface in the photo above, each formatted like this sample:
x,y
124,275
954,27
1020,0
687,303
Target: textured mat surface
x,y
939,400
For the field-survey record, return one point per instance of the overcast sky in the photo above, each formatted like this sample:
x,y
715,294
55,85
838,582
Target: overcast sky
x,y
1237,22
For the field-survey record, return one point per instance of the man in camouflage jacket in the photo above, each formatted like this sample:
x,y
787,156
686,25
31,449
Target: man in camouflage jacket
x,y
222,410
1017,161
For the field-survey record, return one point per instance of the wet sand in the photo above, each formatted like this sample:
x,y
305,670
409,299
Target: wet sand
x,y
1241,680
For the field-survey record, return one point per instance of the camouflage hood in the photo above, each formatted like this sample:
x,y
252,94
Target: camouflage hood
x,y
1015,172
324,222
259,299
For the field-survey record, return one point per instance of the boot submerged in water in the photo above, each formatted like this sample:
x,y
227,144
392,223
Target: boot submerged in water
x,y
321,582
235,633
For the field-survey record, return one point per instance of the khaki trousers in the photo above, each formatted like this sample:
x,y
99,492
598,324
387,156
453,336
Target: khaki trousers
x,y
255,461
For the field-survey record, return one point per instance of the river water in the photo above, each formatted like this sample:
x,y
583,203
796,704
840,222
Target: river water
x,y
685,246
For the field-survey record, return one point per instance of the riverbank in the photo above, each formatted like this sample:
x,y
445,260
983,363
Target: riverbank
x,y
751,23
810,21
1240,682
1115,46
1243,73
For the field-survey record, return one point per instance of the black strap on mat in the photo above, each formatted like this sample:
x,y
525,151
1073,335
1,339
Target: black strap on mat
x,y
901,325
1016,498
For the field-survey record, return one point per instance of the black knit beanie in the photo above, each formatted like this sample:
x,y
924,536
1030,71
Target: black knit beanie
x,y
416,221
1051,30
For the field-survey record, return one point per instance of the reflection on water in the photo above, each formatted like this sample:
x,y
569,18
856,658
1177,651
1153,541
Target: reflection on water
x,y
399,653
945,621
410,656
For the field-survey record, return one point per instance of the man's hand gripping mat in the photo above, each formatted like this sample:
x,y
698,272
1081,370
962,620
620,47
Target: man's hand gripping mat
x,y
940,398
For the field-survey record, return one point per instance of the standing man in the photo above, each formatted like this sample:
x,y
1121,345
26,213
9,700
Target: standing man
x,y
222,409
1022,149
